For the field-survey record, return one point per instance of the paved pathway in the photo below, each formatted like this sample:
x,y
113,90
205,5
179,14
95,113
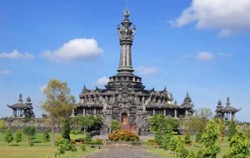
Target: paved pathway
x,y
122,153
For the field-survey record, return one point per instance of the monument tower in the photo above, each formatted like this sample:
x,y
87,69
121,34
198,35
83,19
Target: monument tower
x,y
125,98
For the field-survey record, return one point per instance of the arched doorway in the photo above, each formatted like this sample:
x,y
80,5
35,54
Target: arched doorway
x,y
124,119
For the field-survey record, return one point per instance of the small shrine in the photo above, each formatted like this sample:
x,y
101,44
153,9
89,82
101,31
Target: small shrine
x,y
22,110
228,112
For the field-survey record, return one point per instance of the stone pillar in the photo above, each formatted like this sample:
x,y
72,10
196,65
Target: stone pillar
x,y
185,112
153,111
164,110
83,111
233,115
94,111
175,113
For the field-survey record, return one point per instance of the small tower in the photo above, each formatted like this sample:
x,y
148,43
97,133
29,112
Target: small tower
x,y
187,105
218,110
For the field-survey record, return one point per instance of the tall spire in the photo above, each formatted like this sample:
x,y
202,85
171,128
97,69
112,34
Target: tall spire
x,y
126,36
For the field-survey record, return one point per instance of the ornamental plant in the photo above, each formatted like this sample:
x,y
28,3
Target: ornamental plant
x,y
46,136
123,135
18,136
209,140
8,136
239,145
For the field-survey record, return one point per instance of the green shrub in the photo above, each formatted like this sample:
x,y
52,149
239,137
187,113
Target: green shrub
x,y
66,130
46,136
123,135
87,139
187,139
18,136
83,147
29,131
231,130
61,150
64,145
2,124
151,142
73,148
97,141
31,143
198,137
8,136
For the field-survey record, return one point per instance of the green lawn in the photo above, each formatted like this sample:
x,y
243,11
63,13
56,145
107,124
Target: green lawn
x,y
39,150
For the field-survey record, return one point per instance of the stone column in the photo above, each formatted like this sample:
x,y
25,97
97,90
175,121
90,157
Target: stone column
x,y
175,113
233,115
94,111
153,111
164,110
83,111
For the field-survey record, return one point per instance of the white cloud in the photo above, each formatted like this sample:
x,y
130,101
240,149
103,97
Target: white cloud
x,y
204,56
80,48
229,16
102,81
146,70
41,88
15,54
5,72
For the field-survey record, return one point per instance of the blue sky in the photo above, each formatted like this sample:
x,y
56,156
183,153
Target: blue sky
x,y
195,46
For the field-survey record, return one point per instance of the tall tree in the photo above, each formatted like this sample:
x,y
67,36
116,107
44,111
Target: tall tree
x,y
59,103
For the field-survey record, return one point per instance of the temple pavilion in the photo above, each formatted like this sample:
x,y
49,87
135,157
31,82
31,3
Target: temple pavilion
x,y
125,98
21,109
226,112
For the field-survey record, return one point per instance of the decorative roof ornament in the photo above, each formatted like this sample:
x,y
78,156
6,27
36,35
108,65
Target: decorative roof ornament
x,y
28,100
20,98
228,101
125,31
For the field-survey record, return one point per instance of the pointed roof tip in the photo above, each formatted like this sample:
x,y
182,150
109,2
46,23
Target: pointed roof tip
x,y
126,12
187,95
219,102
28,99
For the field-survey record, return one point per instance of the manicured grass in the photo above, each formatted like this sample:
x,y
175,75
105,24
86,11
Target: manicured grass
x,y
39,150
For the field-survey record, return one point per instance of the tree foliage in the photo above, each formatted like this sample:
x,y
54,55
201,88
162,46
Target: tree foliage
x,y
197,122
8,136
231,129
2,124
115,125
210,141
58,104
221,127
18,136
239,145
159,123
66,130
29,131
46,136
